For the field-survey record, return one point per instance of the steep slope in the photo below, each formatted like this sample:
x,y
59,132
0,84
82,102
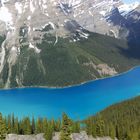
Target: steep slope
x,y
66,63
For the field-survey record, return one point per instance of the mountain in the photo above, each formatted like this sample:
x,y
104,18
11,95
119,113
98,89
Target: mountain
x,y
66,42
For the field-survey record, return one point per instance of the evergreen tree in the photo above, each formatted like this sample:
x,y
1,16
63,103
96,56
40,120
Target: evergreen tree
x,y
13,124
66,129
48,133
89,126
39,126
57,125
21,127
27,126
100,126
112,132
9,126
16,126
3,130
45,125
76,127
33,126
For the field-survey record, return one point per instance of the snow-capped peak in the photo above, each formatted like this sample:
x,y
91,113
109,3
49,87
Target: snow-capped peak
x,y
126,8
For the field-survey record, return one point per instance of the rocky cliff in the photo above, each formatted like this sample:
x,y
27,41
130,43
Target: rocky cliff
x,y
76,136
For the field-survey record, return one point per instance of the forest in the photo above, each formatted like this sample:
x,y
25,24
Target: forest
x,y
121,121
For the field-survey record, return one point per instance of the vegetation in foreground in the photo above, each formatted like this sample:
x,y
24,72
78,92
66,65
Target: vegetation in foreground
x,y
121,121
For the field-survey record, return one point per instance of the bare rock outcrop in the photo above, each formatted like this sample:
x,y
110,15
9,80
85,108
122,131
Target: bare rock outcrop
x,y
81,136
25,137
75,136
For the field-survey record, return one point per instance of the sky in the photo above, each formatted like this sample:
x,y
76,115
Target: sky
x,y
130,1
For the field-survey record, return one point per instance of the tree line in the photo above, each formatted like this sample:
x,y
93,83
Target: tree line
x,y
121,121
28,126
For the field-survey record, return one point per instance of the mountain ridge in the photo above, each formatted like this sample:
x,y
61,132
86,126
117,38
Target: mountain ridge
x,y
33,27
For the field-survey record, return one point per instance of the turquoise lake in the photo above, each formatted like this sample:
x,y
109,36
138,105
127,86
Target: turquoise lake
x,y
78,102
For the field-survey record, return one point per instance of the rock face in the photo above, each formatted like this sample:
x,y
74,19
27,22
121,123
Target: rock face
x,y
25,137
26,23
30,16
93,15
75,136
81,136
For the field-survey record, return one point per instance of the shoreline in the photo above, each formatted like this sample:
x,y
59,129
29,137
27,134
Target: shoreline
x,y
70,86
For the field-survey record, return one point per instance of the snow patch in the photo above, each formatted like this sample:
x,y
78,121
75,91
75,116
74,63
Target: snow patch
x,y
6,17
13,55
52,25
35,48
82,34
29,18
18,7
32,8
103,13
126,8
115,35
2,56
46,14
29,29
56,40
13,49
90,13
3,2
74,2
42,27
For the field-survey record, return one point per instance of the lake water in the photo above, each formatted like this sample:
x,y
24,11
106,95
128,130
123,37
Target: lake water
x,y
78,102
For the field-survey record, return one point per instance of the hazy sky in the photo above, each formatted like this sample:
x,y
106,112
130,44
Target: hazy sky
x,y
130,1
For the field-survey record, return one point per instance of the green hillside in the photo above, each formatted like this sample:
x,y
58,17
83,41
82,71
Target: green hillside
x,y
121,120
67,63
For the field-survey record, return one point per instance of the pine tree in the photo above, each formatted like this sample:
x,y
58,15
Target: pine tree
x,y
13,124
45,125
76,127
3,130
33,125
66,129
100,126
39,126
57,125
48,133
16,126
9,124
89,126
112,132
27,127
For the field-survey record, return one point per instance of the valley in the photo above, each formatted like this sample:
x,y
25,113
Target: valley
x,y
69,70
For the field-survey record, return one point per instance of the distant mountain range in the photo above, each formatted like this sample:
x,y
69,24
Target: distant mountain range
x,y
65,42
